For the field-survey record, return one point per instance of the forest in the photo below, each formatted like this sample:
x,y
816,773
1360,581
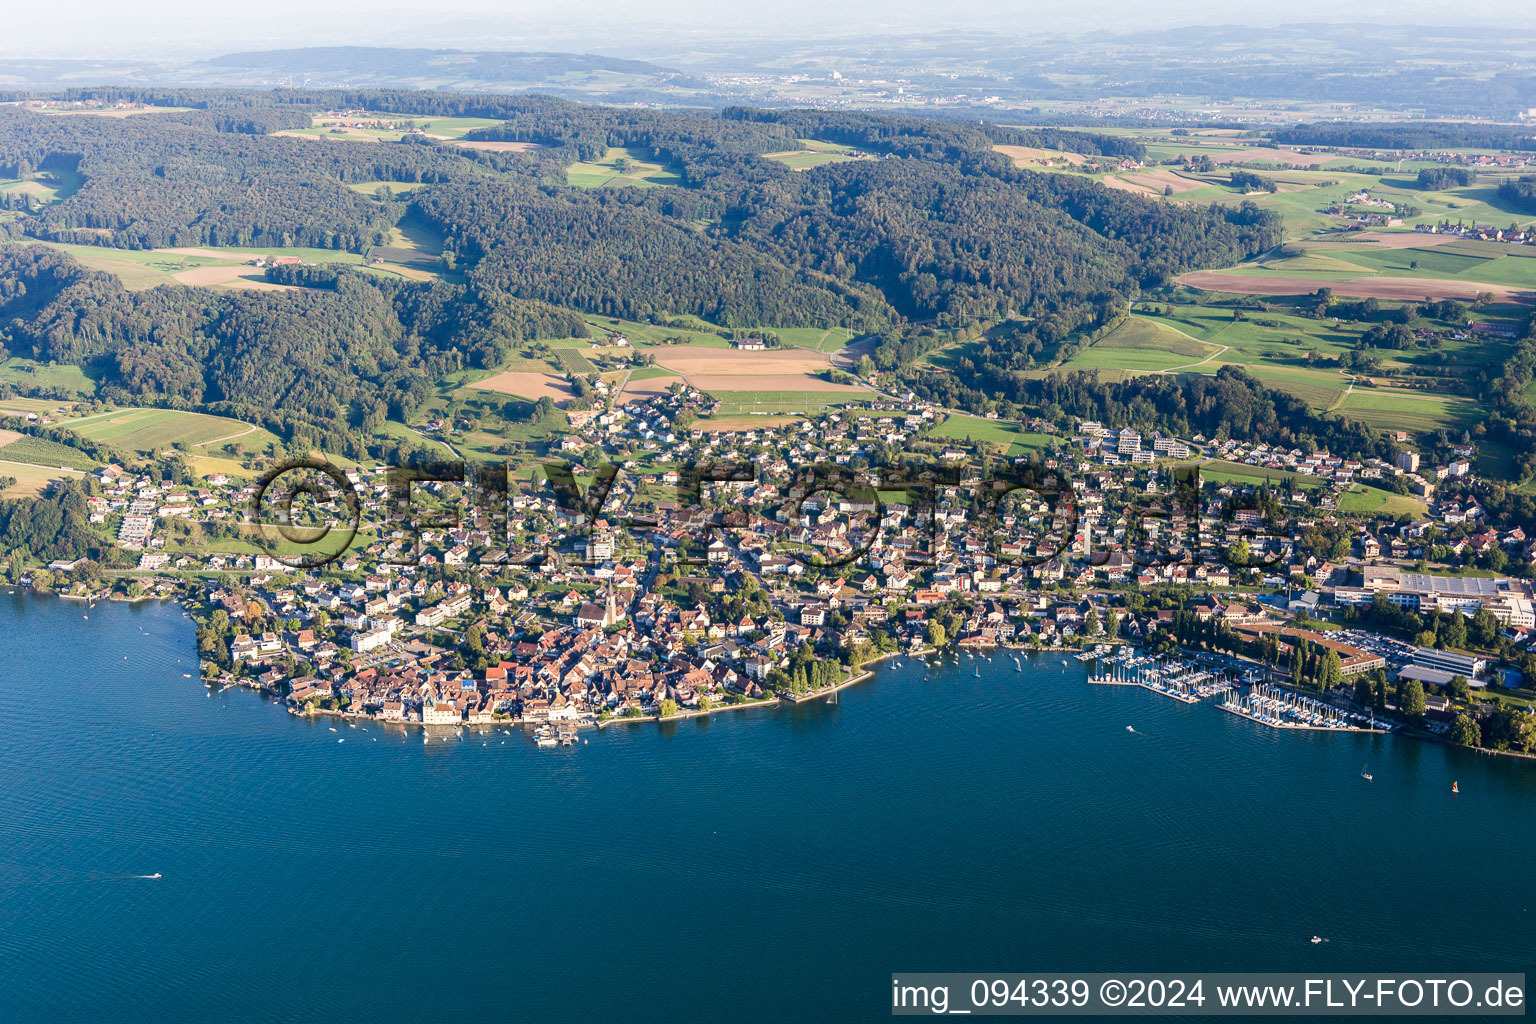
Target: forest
x,y
1520,193
938,228
313,365
1408,135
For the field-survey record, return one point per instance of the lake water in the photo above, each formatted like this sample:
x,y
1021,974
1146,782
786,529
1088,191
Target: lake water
x,y
760,865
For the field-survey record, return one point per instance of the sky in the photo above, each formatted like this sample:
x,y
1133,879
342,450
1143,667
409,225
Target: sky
x,y
190,28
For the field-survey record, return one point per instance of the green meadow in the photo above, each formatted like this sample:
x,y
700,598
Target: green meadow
x,y
42,452
619,167
27,373
1013,437
814,154
147,430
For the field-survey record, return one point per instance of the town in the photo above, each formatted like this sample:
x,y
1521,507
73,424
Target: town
x,y
755,591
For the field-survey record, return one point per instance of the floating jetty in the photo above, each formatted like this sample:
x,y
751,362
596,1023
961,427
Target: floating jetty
x,y
1183,681
1280,708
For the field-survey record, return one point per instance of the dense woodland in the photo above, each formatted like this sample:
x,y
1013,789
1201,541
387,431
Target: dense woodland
x,y
312,365
938,228
1408,135
1520,193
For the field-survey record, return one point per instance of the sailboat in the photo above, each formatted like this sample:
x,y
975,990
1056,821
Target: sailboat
x,y
1367,776
1455,788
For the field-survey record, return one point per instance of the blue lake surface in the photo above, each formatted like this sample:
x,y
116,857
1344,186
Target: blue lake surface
x,y
762,865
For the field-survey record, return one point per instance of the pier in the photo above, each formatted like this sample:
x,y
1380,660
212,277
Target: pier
x,y
1183,681
1280,708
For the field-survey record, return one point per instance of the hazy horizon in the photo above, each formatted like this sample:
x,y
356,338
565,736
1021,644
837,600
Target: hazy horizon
x,y
173,29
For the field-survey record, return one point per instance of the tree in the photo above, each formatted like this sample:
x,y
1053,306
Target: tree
x,y
1412,705
1364,692
1460,688
668,707
936,635
1485,628
1466,731
1332,670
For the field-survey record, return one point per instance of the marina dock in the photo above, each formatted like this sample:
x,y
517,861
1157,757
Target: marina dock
x,y
1183,681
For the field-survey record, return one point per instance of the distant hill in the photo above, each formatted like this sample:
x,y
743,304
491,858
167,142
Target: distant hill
x,y
365,65
590,76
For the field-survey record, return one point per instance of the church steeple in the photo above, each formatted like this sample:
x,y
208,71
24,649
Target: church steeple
x,y
611,613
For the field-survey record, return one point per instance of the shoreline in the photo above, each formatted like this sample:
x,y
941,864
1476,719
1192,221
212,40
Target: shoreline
x,y
864,672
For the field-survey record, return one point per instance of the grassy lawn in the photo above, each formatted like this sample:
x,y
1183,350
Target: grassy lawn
x,y
1362,498
1220,471
978,428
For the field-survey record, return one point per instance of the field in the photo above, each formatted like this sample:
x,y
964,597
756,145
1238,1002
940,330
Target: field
x,y
574,361
724,371
497,146
979,429
26,373
1402,289
1417,412
620,167
817,339
1142,344
1273,347
742,403
23,406
742,424
814,154
149,268
43,186
1361,498
1035,158
1156,182
638,388
41,452
380,127
31,480
1220,471
733,362
532,386
1482,268
369,188
151,430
